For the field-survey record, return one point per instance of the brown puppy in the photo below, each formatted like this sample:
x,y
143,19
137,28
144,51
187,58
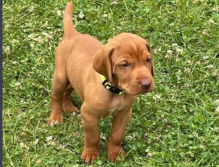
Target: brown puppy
x,y
126,62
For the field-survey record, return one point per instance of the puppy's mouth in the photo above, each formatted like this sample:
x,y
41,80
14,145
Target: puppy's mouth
x,y
137,90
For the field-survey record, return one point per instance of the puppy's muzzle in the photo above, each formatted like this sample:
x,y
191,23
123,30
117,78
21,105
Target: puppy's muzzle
x,y
145,83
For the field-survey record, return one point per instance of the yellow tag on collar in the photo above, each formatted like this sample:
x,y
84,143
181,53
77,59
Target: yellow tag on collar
x,y
109,87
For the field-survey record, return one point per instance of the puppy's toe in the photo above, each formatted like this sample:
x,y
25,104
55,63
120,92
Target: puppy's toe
x,y
70,108
113,156
89,157
55,119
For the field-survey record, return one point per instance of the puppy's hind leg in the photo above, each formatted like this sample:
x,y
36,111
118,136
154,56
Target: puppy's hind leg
x,y
59,85
67,103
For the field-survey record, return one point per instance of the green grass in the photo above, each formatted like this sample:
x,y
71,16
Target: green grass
x,y
177,125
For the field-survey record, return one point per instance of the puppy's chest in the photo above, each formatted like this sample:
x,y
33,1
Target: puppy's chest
x,y
119,104
116,109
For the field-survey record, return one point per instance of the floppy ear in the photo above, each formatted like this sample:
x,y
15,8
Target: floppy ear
x,y
152,70
102,61
150,51
148,47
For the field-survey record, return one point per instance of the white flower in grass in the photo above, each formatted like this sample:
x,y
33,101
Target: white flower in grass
x,y
23,145
31,8
217,110
23,134
32,45
14,62
202,147
81,15
51,141
195,134
105,15
187,85
38,161
36,142
214,73
17,85
147,150
49,138
31,36
14,41
48,36
189,62
175,45
198,63
210,66
157,138
205,32
61,146
109,39
211,21
102,136
215,8
195,1
155,51
11,163
149,154
217,102
157,97
59,13
114,3
74,113
167,56
38,39
179,50
187,70
169,33
7,49
170,52
22,100
205,57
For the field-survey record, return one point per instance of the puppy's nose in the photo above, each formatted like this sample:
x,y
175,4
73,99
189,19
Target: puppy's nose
x,y
145,83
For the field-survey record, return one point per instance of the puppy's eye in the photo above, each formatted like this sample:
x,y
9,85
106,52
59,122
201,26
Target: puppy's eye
x,y
124,65
148,60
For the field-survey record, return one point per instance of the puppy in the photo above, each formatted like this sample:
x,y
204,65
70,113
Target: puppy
x,y
107,79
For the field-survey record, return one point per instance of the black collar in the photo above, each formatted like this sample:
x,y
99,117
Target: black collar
x,y
109,87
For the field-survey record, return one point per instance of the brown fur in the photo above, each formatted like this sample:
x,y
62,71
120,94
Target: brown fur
x,y
126,61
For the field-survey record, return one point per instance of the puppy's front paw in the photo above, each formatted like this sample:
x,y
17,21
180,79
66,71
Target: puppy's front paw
x,y
89,156
70,108
55,119
114,155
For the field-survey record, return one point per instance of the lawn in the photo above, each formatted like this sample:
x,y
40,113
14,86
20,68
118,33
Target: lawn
x,y
176,125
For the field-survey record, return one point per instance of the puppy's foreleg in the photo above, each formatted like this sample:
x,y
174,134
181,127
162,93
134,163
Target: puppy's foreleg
x,y
119,124
91,135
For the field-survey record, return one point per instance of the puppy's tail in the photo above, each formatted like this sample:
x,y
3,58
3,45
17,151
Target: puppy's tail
x,y
68,26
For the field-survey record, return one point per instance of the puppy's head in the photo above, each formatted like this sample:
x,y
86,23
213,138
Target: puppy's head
x,y
126,61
